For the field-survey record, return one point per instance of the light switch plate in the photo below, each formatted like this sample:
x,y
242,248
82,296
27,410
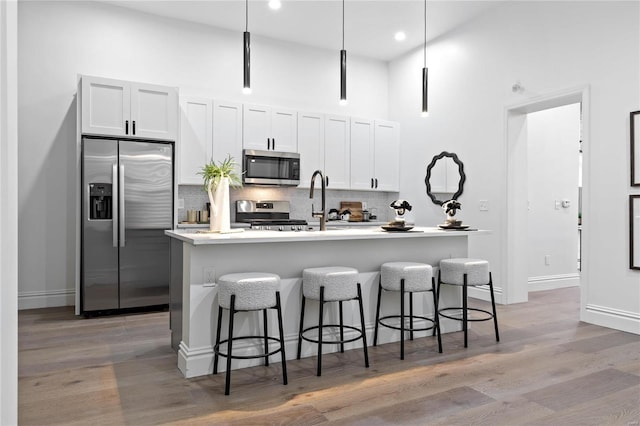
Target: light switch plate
x,y
484,205
181,203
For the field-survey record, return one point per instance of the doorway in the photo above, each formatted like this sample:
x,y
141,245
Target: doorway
x,y
515,245
553,182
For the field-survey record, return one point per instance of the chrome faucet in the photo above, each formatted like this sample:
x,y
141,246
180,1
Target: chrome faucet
x,y
322,214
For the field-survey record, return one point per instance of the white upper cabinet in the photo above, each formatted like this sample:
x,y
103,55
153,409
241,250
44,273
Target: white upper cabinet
x,y
362,146
310,145
125,109
268,128
337,151
227,132
387,156
375,155
195,144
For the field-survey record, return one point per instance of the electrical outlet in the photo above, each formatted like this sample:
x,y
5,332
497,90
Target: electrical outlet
x,y
484,205
181,203
557,204
209,275
547,259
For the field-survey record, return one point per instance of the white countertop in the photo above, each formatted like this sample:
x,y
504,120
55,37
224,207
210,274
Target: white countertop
x,y
362,233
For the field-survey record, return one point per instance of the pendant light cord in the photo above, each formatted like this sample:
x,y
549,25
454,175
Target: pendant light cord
x,y
342,24
425,33
246,19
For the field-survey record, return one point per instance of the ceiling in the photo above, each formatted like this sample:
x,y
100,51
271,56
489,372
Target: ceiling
x,y
369,25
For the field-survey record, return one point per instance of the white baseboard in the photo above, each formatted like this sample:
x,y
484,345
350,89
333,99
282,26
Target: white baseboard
x,y
46,299
611,318
553,282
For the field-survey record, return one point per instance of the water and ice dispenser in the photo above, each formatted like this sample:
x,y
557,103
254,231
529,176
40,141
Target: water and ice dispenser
x,y
100,201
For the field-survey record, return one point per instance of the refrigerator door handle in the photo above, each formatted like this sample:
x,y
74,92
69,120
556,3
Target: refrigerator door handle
x,y
114,179
121,206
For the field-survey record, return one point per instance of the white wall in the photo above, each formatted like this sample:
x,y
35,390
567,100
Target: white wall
x,y
8,213
553,143
548,47
59,40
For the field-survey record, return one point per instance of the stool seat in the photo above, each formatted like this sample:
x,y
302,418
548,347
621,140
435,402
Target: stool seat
x,y
452,271
248,291
340,283
417,276
254,290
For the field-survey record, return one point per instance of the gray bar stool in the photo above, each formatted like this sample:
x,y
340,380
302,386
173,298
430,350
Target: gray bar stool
x,y
407,277
251,291
467,273
331,284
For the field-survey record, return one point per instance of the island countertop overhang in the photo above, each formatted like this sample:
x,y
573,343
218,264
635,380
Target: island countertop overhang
x,y
248,236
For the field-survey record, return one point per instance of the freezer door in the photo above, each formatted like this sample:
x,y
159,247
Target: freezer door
x,y
99,254
146,210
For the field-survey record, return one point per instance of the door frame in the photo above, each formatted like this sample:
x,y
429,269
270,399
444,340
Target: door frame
x,y
513,246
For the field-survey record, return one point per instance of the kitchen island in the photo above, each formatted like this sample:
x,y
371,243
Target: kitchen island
x,y
196,258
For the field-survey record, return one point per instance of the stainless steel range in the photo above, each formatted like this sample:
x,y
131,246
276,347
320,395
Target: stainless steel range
x,y
268,216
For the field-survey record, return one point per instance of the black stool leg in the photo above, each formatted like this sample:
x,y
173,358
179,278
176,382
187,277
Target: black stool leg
x,y
301,325
493,305
218,330
464,308
232,312
280,329
375,330
402,318
320,314
266,340
411,315
364,333
341,327
436,316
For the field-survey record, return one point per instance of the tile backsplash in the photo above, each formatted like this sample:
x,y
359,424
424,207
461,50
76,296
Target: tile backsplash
x,y
195,198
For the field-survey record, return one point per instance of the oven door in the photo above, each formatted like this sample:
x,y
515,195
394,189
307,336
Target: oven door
x,y
271,168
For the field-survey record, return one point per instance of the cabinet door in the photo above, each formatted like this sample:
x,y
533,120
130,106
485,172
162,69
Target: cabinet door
x,y
336,151
256,127
362,176
387,155
227,132
105,106
284,126
195,144
154,111
310,145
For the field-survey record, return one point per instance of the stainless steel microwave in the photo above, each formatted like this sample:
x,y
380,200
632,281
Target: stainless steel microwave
x,y
270,168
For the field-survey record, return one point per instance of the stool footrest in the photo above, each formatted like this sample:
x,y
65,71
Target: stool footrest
x,y
216,348
489,314
409,317
333,341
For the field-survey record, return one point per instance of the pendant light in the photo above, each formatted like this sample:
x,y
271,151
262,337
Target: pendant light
x,y
425,70
246,88
343,66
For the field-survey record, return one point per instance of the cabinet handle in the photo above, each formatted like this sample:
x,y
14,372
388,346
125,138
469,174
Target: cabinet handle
x,y
268,144
273,143
371,182
326,178
376,183
134,127
126,127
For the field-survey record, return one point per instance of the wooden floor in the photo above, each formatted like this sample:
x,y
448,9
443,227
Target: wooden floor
x,y
549,369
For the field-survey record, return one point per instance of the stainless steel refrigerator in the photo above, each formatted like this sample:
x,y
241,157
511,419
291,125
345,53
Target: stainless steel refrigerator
x,y
127,203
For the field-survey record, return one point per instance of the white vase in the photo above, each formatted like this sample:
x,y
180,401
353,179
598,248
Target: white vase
x,y
220,219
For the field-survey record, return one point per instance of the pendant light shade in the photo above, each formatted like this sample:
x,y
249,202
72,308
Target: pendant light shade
x,y
343,66
425,70
246,88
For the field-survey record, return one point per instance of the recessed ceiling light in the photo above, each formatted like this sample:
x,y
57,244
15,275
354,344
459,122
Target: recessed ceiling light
x,y
275,4
400,36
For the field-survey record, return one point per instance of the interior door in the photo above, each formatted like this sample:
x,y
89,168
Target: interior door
x,y
146,176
